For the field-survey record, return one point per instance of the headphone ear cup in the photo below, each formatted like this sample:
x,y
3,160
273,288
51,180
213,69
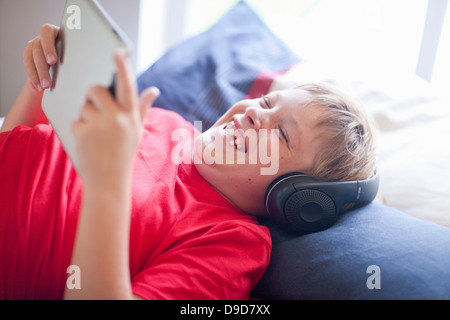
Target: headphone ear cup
x,y
309,211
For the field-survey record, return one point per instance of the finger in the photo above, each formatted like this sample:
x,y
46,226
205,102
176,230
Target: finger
x,y
30,68
147,99
77,127
101,98
48,36
41,66
126,87
88,112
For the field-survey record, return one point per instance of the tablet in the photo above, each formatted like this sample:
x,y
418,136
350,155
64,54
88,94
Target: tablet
x,y
86,43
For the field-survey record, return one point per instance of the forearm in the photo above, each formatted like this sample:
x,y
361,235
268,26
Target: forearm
x,y
102,242
107,137
25,111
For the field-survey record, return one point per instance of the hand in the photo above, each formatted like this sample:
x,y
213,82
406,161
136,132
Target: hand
x,y
109,131
107,137
39,55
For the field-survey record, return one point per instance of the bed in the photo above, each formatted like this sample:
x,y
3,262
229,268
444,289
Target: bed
x,y
397,247
394,248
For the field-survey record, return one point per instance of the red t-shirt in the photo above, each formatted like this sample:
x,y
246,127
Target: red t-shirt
x,y
186,240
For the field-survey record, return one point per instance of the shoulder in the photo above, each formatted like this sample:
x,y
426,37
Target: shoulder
x,y
249,229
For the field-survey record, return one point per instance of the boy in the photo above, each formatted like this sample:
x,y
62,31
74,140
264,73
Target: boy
x,y
133,223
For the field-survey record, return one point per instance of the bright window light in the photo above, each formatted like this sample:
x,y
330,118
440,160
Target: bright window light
x,y
151,36
382,36
441,74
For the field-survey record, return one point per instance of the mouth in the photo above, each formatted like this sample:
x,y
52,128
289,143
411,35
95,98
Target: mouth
x,y
236,136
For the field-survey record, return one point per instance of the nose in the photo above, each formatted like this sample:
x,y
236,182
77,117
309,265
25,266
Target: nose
x,y
258,118
252,115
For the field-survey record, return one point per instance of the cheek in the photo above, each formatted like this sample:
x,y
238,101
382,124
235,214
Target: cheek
x,y
263,152
269,144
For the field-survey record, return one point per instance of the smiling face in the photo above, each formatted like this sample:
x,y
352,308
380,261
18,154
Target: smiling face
x,y
256,141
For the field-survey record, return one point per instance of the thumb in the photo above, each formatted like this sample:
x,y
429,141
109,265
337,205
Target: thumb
x,y
146,100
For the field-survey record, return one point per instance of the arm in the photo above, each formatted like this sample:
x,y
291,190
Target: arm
x,y
25,111
108,136
39,54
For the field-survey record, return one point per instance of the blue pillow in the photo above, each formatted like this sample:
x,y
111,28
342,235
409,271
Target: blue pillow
x,y
374,252
205,75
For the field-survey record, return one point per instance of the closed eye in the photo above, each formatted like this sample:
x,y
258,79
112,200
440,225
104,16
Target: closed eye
x,y
285,136
266,102
268,105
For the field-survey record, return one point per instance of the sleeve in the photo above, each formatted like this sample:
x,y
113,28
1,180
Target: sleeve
x,y
226,263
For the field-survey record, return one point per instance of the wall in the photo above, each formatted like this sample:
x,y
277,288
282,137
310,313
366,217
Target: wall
x,y
20,21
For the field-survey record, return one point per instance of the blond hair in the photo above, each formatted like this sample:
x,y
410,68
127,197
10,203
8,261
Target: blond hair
x,y
348,137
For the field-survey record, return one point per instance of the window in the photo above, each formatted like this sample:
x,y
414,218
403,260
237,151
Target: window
x,y
441,74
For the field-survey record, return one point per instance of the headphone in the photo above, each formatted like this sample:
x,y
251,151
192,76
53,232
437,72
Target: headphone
x,y
306,205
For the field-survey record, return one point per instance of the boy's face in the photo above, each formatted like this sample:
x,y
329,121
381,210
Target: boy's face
x,y
256,141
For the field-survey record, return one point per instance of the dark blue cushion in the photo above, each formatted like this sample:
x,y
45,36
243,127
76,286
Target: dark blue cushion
x,y
205,75
412,257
